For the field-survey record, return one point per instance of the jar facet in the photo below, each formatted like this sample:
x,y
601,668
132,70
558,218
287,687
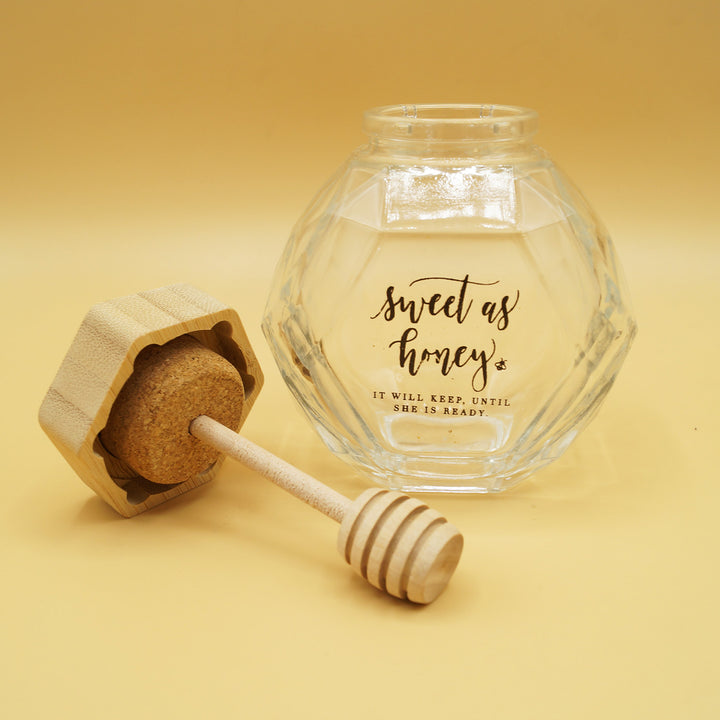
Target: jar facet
x,y
449,312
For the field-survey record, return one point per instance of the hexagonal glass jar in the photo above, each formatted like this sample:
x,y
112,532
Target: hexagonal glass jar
x,y
449,312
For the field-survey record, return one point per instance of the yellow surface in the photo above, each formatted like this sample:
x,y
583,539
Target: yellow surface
x,y
145,143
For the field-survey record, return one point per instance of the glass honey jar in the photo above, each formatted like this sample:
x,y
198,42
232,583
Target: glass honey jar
x,y
449,312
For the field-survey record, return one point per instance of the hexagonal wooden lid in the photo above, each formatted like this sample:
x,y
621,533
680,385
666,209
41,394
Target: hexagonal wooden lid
x,y
99,362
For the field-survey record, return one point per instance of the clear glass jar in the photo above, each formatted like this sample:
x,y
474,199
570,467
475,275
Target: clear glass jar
x,y
449,312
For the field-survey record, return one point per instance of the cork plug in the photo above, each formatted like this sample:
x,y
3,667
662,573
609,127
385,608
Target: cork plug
x,y
175,416
147,403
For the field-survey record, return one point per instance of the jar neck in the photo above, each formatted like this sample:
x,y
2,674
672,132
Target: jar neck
x,y
450,130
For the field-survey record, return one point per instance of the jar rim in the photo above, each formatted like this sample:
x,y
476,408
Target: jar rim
x,y
450,122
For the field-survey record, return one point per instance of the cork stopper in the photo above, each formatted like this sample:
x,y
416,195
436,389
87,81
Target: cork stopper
x,y
171,385
180,409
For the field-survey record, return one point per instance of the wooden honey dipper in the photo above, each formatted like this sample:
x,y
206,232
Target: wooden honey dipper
x,y
171,422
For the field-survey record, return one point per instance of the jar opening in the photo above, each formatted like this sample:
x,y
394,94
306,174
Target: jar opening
x,y
450,122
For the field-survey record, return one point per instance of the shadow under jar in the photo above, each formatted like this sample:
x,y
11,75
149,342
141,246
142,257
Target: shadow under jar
x,y
449,312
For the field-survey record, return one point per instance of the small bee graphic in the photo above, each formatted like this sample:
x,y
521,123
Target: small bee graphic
x,y
501,364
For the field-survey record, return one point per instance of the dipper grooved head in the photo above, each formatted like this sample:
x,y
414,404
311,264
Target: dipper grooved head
x,y
400,545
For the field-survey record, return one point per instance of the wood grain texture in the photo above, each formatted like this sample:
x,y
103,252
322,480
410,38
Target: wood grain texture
x,y
100,361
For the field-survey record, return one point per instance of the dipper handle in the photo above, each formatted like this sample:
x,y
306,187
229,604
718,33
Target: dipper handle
x,y
398,544
297,483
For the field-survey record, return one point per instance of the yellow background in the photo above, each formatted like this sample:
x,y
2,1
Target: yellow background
x,y
146,143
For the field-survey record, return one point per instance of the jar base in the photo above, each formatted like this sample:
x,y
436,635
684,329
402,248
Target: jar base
x,y
465,476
